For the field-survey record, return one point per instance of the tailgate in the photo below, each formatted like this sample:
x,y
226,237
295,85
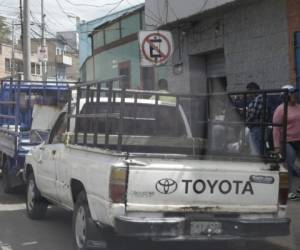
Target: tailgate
x,y
207,186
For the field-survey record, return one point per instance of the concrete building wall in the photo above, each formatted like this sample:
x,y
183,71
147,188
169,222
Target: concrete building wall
x,y
253,37
256,44
160,12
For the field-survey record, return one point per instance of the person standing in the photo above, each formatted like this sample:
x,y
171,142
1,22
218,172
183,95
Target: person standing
x,y
293,134
253,120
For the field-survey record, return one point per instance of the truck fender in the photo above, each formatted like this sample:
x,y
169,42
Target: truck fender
x,y
76,188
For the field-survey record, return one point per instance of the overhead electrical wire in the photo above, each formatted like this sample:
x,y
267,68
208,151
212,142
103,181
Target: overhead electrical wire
x,y
63,10
91,5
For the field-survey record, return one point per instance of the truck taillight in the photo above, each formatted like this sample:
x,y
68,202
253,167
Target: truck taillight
x,y
117,184
283,188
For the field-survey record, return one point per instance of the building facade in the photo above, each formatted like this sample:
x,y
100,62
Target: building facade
x,y
63,57
7,67
225,44
115,50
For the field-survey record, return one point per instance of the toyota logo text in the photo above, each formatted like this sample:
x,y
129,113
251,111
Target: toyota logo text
x,y
166,186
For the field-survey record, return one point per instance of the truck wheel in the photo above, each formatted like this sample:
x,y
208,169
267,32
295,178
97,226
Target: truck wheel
x,y
36,205
85,233
7,187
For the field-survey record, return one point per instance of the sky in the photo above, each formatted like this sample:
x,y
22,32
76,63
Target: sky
x,y
60,14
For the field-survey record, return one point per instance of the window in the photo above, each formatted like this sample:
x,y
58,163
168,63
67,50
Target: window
x,y
19,66
7,65
60,127
98,39
33,68
124,70
112,33
130,25
58,51
38,69
149,122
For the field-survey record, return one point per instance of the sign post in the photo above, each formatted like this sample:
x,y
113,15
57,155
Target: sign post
x,y
42,54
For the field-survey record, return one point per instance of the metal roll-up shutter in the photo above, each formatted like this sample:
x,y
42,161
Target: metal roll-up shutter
x,y
215,65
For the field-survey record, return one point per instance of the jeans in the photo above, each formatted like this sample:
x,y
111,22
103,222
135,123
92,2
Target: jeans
x,y
291,156
255,141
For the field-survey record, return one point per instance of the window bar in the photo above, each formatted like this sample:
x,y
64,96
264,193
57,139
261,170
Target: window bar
x,y
10,97
135,112
87,99
69,109
98,92
177,116
17,105
30,106
122,110
57,93
92,95
44,93
284,125
110,86
77,119
244,118
226,108
264,117
156,113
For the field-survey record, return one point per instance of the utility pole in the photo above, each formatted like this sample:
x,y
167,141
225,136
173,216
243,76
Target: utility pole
x,y
21,21
12,62
43,43
27,42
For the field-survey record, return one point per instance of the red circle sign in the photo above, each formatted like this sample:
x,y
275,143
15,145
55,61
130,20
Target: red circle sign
x,y
160,56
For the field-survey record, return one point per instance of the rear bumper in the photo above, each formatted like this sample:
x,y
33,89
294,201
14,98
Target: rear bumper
x,y
177,229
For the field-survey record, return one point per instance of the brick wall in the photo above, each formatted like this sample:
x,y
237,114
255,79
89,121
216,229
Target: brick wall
x,y
293,15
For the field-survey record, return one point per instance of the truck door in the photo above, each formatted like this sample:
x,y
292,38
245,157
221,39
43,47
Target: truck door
x,y
62,184
46,170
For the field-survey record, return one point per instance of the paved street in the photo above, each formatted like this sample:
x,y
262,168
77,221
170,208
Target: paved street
x,y
19,233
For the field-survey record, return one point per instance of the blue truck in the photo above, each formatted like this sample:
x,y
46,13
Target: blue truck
x,y
18,133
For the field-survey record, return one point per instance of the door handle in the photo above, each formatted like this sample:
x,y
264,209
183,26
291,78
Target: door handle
x,y
53,152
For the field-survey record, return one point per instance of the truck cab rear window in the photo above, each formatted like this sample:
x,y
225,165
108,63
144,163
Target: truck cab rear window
x,y
139,119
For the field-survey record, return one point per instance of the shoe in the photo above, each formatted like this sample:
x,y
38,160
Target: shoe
x,y
293,197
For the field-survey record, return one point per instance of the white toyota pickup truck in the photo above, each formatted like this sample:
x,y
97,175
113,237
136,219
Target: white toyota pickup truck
x,y
134,167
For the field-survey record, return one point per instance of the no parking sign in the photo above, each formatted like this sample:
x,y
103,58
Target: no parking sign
x,y
156,47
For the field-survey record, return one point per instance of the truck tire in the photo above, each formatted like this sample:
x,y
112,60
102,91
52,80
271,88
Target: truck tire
x,y
85,233
7,187
36,205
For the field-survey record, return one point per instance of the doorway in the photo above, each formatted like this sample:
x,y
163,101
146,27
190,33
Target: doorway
x,y
125,70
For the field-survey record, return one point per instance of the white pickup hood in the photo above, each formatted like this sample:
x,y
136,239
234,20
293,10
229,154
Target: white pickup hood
x,y
207,186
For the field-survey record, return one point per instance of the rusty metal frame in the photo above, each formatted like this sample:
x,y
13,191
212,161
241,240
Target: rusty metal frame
x,y
96,89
